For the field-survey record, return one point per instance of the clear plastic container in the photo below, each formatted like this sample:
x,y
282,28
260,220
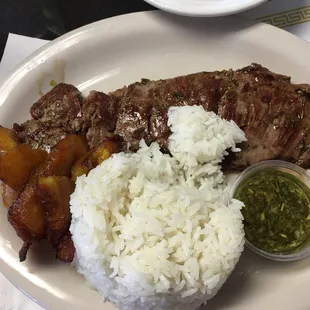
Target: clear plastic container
x,y
286,167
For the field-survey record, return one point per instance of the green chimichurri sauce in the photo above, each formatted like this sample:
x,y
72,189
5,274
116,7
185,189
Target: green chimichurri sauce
x,y
53,83
276,212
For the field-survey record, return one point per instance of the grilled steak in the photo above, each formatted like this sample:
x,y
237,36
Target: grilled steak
x,y
99,117
143,106
57,114
273,112
39,135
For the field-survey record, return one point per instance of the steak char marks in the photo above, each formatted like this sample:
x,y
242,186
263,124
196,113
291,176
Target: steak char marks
x,y
273,113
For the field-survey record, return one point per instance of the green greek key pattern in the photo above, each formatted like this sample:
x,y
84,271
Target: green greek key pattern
x,y
288,18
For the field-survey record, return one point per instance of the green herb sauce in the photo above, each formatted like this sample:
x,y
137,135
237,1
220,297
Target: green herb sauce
x,y
276,212
53,83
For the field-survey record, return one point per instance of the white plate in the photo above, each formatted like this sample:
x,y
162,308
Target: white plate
x,y
108,54
203,8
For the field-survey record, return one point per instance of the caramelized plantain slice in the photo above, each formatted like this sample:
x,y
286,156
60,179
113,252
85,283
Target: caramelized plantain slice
x,y
16,165
60,160
95,157
8,140
24,250
27,214
8,195
65,249
55,195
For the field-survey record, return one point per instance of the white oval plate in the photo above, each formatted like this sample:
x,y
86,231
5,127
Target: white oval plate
x,y
204,8
114,52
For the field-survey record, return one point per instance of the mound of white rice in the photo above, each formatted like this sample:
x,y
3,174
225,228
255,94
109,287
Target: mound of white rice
x,y
153,231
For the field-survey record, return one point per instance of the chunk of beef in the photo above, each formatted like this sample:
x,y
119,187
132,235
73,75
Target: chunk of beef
x,y
39,135
60,107
98,134
99,117
134,111
55,115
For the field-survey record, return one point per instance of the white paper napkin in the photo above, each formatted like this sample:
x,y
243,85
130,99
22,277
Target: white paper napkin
x,y
17,48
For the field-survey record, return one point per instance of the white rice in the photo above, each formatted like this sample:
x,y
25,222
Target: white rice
x,y
153,231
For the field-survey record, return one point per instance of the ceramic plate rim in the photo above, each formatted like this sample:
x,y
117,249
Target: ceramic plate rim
x,y
203,10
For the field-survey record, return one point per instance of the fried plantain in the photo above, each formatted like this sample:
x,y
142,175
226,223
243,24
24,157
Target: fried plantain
x,y
60,160
8,140
27,214
65,249
55,195
95,157
8,195
24,250
16,165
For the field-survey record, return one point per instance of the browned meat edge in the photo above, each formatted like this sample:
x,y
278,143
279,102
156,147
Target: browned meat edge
x,y
273,112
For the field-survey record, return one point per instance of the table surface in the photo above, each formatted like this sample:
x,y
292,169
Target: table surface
x,y
48,19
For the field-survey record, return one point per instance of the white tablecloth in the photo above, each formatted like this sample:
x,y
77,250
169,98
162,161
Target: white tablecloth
x,y
291,15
